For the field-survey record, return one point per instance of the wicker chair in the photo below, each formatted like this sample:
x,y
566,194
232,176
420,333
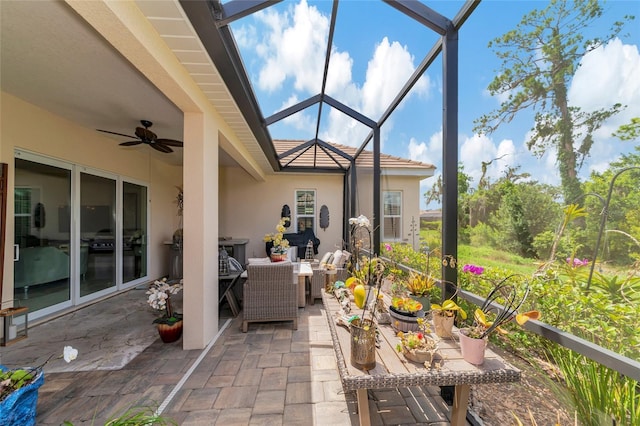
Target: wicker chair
x,y
270,294
317,284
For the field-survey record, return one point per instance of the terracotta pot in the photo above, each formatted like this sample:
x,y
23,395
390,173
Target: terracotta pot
x,y
443,325
170,332
472,349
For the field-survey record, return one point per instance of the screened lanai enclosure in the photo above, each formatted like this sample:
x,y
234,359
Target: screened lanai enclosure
x,y
355,152
220,26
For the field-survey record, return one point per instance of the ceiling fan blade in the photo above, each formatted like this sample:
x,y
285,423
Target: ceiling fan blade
x,y
161,148
115,133
145,134
170,142
130,143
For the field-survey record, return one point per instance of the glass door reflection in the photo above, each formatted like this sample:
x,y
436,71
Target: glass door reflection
x,y
97,232
134,230
42,261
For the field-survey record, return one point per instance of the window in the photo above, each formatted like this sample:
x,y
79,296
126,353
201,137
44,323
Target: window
x,y
392,215
305,209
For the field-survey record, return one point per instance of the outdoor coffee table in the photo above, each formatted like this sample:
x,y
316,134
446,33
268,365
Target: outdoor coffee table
x,y
394,371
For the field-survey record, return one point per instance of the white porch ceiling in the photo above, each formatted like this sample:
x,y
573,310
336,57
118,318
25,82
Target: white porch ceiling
x,y
52,58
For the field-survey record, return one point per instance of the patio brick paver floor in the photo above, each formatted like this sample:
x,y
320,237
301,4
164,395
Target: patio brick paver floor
x,y
272,375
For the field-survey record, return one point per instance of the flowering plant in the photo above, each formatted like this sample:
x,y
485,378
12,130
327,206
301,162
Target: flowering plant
x,y
448,308
406,304
12,380
160,299
502,304
280,244
473,269
418,345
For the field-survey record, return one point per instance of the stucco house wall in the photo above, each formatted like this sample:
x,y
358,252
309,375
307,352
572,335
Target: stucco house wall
x,y
409,186
251,209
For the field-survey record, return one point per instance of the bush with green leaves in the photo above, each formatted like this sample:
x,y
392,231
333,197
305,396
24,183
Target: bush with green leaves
x,y
601,396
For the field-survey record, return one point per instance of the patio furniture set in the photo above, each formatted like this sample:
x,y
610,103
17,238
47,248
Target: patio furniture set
x,y
273,291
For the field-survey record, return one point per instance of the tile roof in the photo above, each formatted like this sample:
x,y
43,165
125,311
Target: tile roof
x,y
321,155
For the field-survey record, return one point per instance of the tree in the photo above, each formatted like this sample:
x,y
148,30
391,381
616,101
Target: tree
x,y
629,132
437,189
539,58
623,212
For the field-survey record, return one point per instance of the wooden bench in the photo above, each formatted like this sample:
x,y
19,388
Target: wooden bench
x,y
392,370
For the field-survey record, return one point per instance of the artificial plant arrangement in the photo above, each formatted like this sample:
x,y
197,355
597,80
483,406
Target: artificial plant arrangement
x,y
280,244
160,299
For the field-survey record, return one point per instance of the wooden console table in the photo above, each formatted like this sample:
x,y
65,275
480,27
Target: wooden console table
x,y
394,371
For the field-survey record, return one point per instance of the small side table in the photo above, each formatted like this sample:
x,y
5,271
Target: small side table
x,y
305,272
225,290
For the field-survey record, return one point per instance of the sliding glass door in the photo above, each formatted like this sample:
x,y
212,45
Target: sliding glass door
x,y
134,231
80,234
98,232
42,244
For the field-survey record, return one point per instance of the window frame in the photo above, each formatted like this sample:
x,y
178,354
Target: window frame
x,y
312,215
398,216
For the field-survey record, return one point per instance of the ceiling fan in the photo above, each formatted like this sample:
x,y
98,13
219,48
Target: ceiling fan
x,y
144,135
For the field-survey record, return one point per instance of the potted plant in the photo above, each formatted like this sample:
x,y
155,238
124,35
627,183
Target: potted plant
x,y
280,244
368,273
501,305
419,287
418,346
19,391
444,316
405,312
169,325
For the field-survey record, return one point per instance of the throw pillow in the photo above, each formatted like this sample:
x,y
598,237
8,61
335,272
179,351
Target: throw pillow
x,y
325,258
234,265
337,258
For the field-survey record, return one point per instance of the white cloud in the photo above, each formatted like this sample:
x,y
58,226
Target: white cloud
x,y
387,71
293,47
608,75
424,152
300,120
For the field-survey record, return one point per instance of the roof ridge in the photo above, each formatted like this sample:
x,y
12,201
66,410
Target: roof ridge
x,y
352,148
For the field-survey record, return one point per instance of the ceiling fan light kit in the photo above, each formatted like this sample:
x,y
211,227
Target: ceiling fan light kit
x,y
144,135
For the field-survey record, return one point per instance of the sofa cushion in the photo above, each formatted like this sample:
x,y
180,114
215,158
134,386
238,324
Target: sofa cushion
x,y
325,258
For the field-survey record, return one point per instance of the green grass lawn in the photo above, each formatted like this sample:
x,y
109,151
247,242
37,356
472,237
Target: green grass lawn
x,y
484,256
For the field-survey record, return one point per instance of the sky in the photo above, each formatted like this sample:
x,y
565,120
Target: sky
x,y
376,49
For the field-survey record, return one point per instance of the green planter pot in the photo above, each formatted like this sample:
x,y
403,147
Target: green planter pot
x,y
425,301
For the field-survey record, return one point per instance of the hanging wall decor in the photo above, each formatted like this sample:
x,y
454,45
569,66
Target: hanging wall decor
x,y
286,212
324,217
